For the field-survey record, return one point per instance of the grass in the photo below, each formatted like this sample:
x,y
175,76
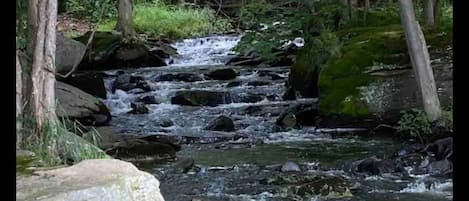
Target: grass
x,y
60,143
159,20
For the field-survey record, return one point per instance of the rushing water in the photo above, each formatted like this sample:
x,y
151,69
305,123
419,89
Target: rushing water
x,y
231,169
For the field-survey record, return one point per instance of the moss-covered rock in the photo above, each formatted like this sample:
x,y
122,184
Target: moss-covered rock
x,y
372,76
110,51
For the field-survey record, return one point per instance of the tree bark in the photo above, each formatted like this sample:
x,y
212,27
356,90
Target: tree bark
x,y
19,102
428,9
349,6
420,60
43,63
125,23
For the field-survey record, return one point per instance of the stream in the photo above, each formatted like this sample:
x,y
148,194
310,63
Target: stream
x,y
246,164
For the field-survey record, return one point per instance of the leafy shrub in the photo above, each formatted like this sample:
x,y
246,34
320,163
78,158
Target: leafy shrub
x,y
91,9
415,123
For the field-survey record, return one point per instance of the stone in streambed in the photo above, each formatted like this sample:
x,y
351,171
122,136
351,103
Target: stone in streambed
x,y
201,98
222,74
138,108
290,167
221,123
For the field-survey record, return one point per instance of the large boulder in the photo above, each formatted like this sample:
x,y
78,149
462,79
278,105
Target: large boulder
x,y
201,98
373,78
108,51
134,148
92,180
76,104
221,123
92,83
68,53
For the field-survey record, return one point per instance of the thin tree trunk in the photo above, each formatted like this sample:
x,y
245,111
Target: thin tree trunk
x,y
43,65
420,60
125,23
19,102
428,9
436,11
349,5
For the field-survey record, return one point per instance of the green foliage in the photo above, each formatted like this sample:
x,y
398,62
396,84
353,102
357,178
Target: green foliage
x,y
175,22
58,145
21,23
91,9
271,25
415,123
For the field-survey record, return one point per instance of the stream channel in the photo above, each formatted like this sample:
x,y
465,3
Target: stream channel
x,y
245,164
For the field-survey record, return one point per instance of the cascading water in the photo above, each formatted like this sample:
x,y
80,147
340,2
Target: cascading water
x,y
246,161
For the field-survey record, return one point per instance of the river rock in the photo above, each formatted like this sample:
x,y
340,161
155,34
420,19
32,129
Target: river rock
x,y
328,186
201,98
148,99
172,140
234,84
92,83
222,74
245,61
128,82
74,103
184,77
166,123
184,164
441,168
133,147
221,123
68,52
287,121
375,166
441,149
258,83
109,51
290,167
138,108
91,180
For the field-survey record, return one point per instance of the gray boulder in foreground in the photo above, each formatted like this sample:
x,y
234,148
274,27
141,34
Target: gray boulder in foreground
x,y
91,180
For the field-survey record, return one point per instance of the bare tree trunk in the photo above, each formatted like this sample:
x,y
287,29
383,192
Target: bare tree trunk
x,y
19,102
43,63
125,23
428,9
349,5
436,11
420,60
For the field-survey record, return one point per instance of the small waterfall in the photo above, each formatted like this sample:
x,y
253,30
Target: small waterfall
x,y
213,50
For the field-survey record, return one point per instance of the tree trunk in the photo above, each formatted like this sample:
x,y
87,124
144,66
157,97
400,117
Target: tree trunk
x,y
19,102
43,63
420,60
436,11
349,6
428,9
125,23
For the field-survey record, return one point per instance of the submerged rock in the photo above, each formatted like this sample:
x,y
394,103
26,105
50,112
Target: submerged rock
x,y
184,77
148,99
138,108
184,164
234,84
221,123
92,180
131,148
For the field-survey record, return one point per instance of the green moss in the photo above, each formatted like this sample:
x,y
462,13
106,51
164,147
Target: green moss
x,y
362,48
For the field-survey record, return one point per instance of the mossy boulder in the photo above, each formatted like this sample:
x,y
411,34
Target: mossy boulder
x,y
372,77
110,51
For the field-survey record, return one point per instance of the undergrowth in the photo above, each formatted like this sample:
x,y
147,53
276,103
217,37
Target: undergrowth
x,y
157,19
60,142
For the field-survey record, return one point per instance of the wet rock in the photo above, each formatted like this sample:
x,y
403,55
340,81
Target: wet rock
x,y
128,82
173,141
375,166
258,83
182,77
290,167
222,74
136,91
287,121
441,168
441,149
138,108
332,187
250,98
148,99
75,104
91,83
253,109
130,148
184,164
201,98
166,123
234,84
221,123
